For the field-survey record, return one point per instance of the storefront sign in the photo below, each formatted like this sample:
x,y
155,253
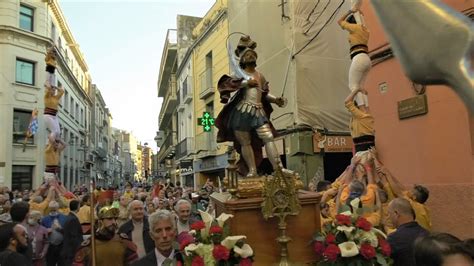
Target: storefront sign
x,y
332,143
186,167
211,163
414,106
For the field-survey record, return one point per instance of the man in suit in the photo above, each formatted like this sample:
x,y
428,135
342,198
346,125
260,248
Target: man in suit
x,y
137,229
163,233
72,234
402,215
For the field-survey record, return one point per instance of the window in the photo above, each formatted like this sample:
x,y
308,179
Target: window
x,y
21,121
209,70
53,32
26,18
25,72
60,45
81,119
77,113
66,101
22,175
71,105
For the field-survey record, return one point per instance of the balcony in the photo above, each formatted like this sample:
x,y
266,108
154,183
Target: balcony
x,y
167,149
187,90
170,102
168,61
184,147
207,88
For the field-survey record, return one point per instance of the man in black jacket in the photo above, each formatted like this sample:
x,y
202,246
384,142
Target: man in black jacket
x,y
72,234
408,230
13,240
163,232
137,229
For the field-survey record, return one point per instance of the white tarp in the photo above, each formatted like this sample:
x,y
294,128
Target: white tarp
x,y
317,77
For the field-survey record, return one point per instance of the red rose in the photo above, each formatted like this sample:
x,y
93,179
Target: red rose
x,y
184,244
197,261
363,224
215,229
318,248
331,252
343,219
178,263
385,247
184,239
220,252
367,251
245,262
198,225
330,238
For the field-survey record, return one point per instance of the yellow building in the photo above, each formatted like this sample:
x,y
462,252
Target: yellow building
x,y
210,62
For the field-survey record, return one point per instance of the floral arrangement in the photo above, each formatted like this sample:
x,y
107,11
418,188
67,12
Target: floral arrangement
x,y
351,240
209,243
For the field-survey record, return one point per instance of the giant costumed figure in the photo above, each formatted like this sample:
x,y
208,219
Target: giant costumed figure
x,y
245,118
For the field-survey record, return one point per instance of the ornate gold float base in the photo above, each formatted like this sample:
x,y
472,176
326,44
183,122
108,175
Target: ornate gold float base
x,y
254,187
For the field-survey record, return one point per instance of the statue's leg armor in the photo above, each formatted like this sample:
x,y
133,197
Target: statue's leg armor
x,y
265,133
243,137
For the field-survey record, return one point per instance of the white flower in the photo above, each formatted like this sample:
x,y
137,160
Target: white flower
x,y
348,213
355,204
346,229
377,231
192,232
348,249
189,249
222,218
207,219
369,237
229,242
244,252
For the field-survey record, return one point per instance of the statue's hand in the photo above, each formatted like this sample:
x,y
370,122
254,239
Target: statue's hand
x,y
280,101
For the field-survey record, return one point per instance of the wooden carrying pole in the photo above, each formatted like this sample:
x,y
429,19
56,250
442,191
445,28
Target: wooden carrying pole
x,y
92,219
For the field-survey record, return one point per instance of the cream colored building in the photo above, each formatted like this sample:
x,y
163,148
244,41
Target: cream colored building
x,y
27,29
210,62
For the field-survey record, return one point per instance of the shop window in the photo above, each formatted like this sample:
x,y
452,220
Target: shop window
x,y
22,176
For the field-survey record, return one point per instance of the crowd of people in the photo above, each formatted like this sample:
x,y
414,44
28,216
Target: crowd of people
x,y
52,226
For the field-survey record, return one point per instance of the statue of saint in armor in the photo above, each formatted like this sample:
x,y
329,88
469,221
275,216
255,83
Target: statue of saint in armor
x,y
245,118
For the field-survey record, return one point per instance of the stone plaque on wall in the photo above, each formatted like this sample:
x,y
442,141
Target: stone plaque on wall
x,y
414,106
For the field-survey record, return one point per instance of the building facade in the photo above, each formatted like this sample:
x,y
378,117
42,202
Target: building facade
x,y
186,116
435,149
210,62
27,29
168,117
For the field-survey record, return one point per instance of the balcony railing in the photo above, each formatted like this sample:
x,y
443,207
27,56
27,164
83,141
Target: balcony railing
x,y
168,147
207,88
184,147
170,102
187,92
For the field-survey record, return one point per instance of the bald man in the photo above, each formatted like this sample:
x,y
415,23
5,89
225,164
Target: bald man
x,y
137,229
402,216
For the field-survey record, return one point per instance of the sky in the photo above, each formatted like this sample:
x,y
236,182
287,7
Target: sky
x,y
122,42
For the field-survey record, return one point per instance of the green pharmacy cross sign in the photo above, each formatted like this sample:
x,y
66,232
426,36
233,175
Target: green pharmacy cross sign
x,y
206,121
